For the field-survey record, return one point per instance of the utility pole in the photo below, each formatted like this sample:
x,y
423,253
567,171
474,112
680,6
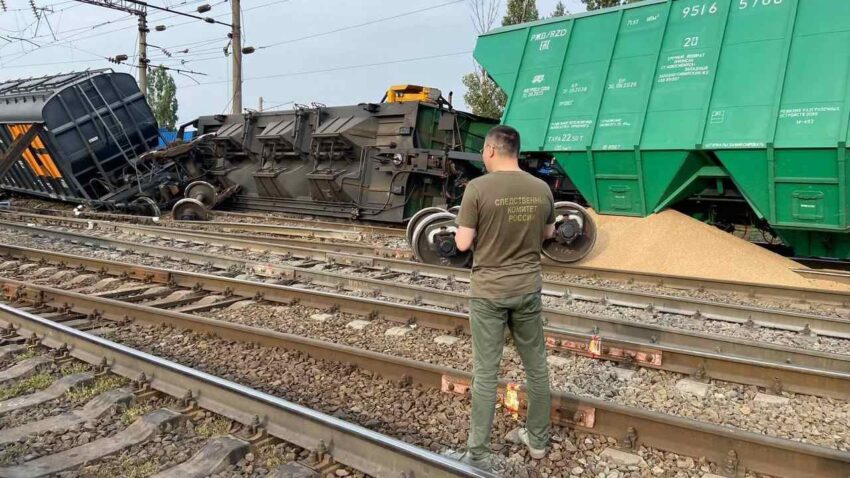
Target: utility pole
x,y
261,104
236,42
139,9
143,53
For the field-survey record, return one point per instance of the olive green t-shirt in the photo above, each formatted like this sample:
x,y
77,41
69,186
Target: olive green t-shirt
x,y
509,211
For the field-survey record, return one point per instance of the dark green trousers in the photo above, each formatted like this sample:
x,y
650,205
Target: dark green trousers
x,y
488,319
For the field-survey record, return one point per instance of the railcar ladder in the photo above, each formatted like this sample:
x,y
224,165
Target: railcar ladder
x,y
114,128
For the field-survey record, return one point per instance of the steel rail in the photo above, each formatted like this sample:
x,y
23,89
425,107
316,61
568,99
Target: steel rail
x,y
73,213
275,228
256,227
833,275
647,333
652,334
327,223
755,452
196,235
750,289
698,308
680,351
279,229
383,257
350,444
291,231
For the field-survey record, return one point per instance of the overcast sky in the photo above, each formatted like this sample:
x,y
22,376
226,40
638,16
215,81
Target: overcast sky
x,y
304,60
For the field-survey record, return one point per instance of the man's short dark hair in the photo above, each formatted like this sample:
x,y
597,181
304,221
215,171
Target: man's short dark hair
x,y
505,139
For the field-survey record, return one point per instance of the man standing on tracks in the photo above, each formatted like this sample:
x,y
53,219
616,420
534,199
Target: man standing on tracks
x,y
507,214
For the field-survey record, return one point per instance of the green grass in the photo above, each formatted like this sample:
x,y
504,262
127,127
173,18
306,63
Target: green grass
x,y
74,367
30,353
214,427
95,388
31,384
12,451
131,414
269,456
125,467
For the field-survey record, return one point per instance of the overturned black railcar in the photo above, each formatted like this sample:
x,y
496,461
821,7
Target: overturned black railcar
x,y
78,137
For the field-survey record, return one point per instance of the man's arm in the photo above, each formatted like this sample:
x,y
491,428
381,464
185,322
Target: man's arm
x,y
549,231
464,238
467,219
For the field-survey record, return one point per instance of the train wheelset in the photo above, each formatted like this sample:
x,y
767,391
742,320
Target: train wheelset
x,y
431,235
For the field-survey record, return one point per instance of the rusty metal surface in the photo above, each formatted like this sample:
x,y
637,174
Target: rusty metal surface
x,y
755,452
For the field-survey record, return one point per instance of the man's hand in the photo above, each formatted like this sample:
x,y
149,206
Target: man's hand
x,y
549,231
464,238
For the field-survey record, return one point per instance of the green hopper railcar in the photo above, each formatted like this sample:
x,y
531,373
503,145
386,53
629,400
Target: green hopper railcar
x,y
650,105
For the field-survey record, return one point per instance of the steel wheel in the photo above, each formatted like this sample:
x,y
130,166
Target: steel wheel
x,y
203,192
146,206
434,243
189,209
411,224
575,234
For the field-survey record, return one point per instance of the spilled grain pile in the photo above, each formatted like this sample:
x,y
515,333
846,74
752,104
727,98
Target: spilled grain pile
x,y
673,243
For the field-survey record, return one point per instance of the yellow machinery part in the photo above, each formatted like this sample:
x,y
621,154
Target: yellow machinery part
x,y
407,93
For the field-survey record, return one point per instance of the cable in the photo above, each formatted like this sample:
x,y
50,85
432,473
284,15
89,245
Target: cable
x,y
329,32
351,27
342,68
65,41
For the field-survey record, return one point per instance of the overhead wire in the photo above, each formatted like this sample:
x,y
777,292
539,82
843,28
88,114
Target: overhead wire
x,y
68,39
330,32
341,68
359,25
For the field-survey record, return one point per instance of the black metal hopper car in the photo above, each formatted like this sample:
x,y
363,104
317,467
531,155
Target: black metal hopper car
x,y
78,137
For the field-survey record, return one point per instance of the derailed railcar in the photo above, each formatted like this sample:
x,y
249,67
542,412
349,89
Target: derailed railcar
x,y
77,137
376,161
722,108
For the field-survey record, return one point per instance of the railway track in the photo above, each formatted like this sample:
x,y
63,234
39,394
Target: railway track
x,y
248,222
820,374
710,306
584,280
333,444
574,274
398,278
300,238
407,281
754,452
